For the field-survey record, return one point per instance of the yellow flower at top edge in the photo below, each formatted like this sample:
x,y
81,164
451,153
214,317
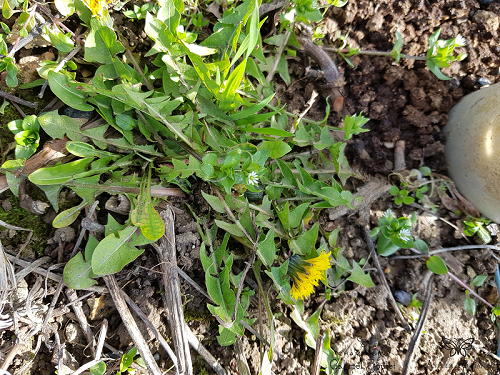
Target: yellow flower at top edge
x,y
306,274
97,7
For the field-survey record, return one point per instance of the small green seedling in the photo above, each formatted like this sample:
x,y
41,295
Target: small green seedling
x,y
477,226
469,304
414,307
98,369
26,135
198,20
440,53
394,234
128,359
139,12
401,196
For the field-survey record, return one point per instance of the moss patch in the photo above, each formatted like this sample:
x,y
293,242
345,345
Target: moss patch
x,y
21,218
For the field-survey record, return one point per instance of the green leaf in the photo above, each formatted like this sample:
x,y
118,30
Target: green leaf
x,y
115,251
231,228
408,200
234,81
214,202
66,8
398,45
85,150
267,131
296,215
125,122
7,11
437,265
78,273
67,92
277,149
3,47
226,337
98,369
128,359
61,41
479,280
251,110
67,217
469,304
484,234
306,242
266,249
421,246
385,247
394,191
155,227
61,174
101,44
358,276
169,15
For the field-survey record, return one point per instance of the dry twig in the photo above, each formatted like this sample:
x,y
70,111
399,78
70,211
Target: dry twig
x,y
82,319
131,326
381,275
167,254
318,355
421,321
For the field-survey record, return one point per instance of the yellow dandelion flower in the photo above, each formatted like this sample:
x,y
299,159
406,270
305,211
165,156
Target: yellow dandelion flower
x,y
97,7
306,274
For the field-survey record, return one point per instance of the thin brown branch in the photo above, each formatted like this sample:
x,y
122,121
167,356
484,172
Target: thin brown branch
x,y
318,354
421,321
82,319
152,328
17,100
382,278
131,326
167,253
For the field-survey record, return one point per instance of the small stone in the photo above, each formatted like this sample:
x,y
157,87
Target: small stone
x,y
7,205
65,234
483,82
454,83
488,19
389,144
71,333
402,297
470,272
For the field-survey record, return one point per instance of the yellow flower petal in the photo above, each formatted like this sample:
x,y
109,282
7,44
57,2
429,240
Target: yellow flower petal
x,y
304,283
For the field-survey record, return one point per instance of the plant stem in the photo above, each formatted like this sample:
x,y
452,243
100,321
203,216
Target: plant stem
x,y
461,283
374,53
277,59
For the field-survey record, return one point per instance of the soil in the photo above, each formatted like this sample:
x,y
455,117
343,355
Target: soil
x,y
404,102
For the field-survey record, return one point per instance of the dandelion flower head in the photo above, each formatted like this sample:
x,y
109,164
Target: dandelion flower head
x,y
306,274
97,7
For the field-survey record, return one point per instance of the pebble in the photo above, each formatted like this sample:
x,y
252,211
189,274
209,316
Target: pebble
x,y
71,332
402,297
454,83
488,19
7,205
483,82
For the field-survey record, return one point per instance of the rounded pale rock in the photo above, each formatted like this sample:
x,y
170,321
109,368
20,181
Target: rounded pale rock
x,y
473,149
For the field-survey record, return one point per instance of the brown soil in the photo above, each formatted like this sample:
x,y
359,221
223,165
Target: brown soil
x,y
404,102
